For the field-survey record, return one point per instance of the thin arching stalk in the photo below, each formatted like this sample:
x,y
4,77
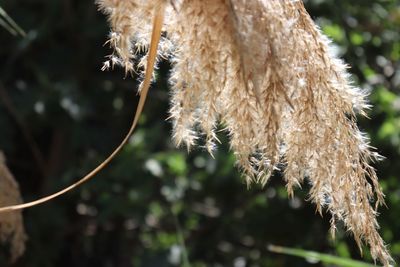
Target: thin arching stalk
x,y
155,38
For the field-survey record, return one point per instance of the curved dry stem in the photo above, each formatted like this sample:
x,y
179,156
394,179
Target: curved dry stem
x,y
155,39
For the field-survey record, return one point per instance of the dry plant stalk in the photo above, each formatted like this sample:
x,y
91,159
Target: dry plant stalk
x,y
263,70
11,223
158,18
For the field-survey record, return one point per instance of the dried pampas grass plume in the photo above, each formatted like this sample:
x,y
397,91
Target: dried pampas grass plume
x,y
264,70
11,224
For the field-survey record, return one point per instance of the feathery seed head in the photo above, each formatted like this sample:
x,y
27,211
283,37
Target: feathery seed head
x,y
11,223
264,70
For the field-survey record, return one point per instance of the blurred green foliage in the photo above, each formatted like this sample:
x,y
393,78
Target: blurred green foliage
x,y
157,205
314,257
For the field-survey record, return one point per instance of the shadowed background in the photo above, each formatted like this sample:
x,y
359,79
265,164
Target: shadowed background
x,y
60,116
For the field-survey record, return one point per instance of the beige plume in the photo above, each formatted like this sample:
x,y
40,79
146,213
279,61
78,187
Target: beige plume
x,y
263,70
11,223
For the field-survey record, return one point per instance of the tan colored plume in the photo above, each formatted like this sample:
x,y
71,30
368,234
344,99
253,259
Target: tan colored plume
x,y
263,70
12,229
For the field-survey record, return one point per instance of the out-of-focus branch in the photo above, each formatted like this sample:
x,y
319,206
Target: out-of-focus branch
x,y
9,24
